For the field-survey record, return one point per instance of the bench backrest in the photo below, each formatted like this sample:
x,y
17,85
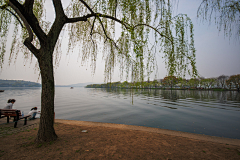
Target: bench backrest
x,y
10,112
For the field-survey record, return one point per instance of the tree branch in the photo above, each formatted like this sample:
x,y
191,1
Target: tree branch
x,y
127,26
107,35
28,40
28,5
15,17
84,18
92,25
58,9
58,24
85,4
154,30
77,19
30,19
31,47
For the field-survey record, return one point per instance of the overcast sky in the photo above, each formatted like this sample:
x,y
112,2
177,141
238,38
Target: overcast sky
x,y
215,56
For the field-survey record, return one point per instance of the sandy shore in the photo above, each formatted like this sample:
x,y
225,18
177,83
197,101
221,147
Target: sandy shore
x,y
103,141
155,130
34,123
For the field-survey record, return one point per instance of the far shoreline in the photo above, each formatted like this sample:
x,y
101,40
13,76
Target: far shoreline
x,y
134,88
182,89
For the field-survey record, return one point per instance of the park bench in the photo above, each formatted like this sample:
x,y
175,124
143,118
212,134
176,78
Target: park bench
x,y
16,114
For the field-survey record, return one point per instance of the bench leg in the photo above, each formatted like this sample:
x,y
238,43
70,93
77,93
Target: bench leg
x,y
7,119
25,120
15,124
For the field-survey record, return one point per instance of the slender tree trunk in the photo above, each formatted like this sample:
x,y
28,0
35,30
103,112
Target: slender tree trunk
x,y
46,130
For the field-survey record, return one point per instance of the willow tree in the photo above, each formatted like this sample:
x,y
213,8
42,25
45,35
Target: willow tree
x,y
224,13
144,28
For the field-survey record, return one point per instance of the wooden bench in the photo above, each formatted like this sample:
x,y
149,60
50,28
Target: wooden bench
x,y
13,113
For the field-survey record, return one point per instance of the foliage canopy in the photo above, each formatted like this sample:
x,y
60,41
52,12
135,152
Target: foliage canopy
x,y
225,13
148,28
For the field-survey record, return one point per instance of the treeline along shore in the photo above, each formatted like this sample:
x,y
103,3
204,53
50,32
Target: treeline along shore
x,y
18,83
220,83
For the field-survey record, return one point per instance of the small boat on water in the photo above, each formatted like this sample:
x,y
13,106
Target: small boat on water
x,y
71,88
1,90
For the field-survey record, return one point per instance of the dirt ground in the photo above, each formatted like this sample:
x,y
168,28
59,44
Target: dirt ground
x,y
100,142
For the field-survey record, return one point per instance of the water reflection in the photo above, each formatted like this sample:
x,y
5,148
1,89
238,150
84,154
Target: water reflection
x,y
205,112
174,97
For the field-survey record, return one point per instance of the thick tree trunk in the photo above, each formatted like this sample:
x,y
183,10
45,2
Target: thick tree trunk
x,y
46,130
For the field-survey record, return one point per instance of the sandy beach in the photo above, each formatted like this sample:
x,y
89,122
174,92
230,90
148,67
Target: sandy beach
x,y
93,140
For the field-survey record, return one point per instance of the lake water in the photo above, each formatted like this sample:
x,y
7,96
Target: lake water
x,y
204,112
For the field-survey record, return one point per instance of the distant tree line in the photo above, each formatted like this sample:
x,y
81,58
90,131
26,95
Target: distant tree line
x,y
222,82
18,83
178,94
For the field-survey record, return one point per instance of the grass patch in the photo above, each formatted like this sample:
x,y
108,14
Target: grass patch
x,y
40,145
26,144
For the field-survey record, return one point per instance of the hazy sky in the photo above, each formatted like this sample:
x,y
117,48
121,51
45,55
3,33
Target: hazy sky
x,y
215,56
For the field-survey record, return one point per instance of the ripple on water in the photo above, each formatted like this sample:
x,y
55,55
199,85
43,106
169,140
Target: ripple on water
x,y
210,113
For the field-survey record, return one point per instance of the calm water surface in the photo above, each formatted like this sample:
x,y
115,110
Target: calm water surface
x,y
203,112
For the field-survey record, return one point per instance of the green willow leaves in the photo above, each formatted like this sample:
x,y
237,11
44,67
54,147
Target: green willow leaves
x,y
224,13
131,34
